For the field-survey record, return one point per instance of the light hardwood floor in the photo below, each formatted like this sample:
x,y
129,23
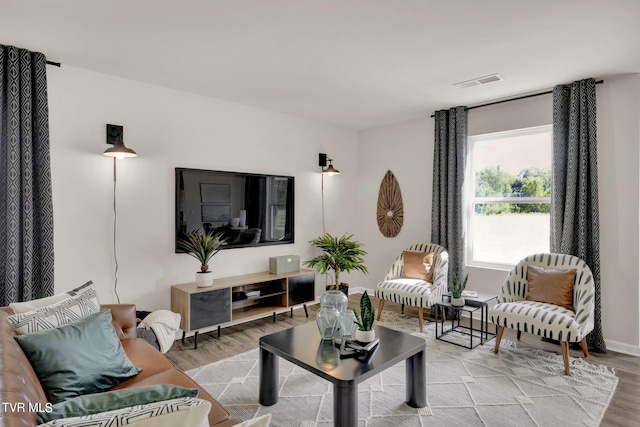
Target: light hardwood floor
x,y
624,410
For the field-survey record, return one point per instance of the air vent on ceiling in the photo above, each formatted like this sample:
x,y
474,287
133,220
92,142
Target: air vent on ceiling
x,y
479,81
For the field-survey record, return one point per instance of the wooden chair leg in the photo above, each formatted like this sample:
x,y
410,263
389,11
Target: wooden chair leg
x,y
498,338
380,309
585,349
420,318
565,356
518,334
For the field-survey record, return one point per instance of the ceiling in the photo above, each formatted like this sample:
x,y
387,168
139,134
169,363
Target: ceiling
x,y
351,63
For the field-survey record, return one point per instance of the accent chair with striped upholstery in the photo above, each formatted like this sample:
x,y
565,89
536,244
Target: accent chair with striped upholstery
x,y
547,320
415,292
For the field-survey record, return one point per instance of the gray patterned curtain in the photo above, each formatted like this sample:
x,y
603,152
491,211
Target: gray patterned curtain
x,y
575,228
26,211
447,208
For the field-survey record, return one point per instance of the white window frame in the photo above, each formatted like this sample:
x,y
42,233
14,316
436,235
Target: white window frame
x,y
271,207
472,200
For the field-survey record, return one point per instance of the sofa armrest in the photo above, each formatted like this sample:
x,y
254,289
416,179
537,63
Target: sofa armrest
x,y
124,320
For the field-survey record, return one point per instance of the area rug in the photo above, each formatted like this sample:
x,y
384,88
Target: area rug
x,y
518,387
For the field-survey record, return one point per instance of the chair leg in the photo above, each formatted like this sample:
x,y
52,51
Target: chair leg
x,y
565,356
518,334
402,309
420,318
585,349
380,309
498,338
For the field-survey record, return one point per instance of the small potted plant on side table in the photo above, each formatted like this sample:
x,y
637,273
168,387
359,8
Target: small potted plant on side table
x,y
364,320
456,287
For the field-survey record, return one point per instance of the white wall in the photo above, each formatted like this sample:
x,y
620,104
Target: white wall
x,y
619,183
172,129
406,148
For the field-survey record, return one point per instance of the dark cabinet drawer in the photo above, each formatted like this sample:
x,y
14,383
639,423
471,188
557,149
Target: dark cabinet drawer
x,y
210,308
302,288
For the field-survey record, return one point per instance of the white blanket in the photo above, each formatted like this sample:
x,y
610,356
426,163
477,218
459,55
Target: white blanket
x,y
164,324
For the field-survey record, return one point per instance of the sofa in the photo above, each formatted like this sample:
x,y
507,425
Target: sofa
x,y
20,387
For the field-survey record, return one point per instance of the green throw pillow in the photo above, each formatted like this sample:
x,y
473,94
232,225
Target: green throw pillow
x,y
116,399
82,357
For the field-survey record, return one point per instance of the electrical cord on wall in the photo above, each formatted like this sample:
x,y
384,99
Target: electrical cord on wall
x,y
322,193
115,222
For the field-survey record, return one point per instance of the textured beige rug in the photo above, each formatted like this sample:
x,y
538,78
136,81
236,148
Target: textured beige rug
x,y
464,388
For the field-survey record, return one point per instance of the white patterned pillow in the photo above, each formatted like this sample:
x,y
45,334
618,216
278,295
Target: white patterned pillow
x,y
62,313
186,411
27,306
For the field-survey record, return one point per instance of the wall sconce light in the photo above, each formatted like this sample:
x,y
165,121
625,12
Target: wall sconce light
x,y
119,150
330,170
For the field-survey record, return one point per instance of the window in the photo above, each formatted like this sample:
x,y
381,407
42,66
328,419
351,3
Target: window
x,y
509,196
277,207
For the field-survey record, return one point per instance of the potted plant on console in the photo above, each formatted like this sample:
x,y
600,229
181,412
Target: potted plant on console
x,y
202,246
456,287
364,320
339,254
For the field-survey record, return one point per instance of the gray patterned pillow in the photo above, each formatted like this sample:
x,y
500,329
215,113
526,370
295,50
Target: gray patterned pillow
x,y
26,306
186,411
75,308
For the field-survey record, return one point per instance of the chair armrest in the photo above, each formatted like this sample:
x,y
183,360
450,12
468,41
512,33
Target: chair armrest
x,y
124,320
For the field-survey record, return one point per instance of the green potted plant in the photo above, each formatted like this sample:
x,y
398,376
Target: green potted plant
x,y
339,254
202,246
364,320
456,286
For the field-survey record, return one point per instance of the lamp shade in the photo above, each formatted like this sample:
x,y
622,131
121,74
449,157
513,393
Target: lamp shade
x,y
330,170
119,151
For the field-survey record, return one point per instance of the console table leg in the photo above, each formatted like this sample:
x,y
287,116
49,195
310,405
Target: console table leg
x,y
269,375
291,312
183,334
274,316
195,341
345,405
218,331
416,381
306,313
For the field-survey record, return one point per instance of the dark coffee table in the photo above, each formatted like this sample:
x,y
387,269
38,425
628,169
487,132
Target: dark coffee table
x,y
302,346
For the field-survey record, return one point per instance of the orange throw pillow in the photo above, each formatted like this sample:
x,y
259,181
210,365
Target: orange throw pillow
x,y
551,286
418,265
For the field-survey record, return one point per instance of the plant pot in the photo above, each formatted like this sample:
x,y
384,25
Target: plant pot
x,y
365,336
204,279
457,302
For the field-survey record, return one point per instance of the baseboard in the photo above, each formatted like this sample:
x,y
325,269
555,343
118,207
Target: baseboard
x,y
620,347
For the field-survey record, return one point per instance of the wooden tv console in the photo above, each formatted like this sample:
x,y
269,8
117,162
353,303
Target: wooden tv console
x,y
240,298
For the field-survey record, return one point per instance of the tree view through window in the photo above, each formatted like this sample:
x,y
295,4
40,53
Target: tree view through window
x,y
510,196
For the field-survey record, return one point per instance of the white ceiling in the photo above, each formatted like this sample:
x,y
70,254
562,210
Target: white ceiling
x,y
352,63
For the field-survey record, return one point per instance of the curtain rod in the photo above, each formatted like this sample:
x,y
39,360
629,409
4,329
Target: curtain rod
x,y
515,99
55,64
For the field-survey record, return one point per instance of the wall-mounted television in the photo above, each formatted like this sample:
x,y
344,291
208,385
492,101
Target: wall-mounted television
x,y
248,209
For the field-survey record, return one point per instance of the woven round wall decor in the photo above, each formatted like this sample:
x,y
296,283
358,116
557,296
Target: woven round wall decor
x,y
390,213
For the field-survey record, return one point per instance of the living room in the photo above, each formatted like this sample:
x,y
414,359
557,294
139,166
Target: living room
x,y
171,128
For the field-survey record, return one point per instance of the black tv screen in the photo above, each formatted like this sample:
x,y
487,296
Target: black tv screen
x,y
248,209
